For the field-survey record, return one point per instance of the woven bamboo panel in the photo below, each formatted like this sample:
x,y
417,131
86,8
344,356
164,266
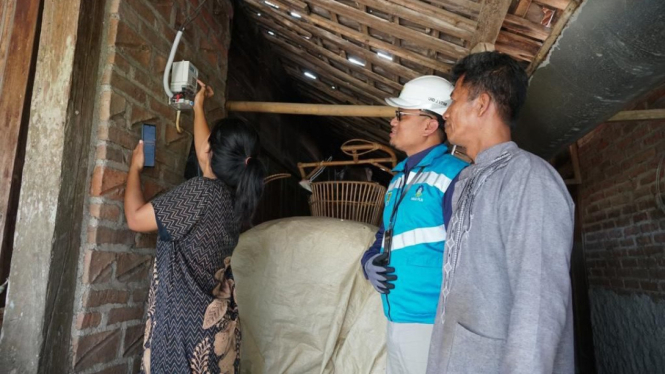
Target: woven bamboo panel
x,y
355,201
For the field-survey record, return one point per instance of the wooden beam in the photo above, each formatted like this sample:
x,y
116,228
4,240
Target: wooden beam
x,y
554,35
490,19
367,126
332,56
312,109
426,15
522,8
639,115
387,27
376,43
322,22
301,27
326,96
525,27
482,47
18,25
337,94
518,46
558,4
299,56
463,7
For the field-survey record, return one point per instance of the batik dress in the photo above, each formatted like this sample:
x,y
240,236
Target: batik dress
x,y
192,319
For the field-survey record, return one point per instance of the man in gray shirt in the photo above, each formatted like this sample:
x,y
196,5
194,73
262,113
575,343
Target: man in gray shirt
x,y
505,304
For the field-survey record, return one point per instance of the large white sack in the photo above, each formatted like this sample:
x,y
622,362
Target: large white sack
x,y
305,306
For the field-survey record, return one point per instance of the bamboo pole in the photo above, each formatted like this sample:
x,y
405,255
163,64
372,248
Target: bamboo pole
x,y
312,109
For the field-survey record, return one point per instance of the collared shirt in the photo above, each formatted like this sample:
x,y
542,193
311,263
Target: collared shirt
x,y
505,305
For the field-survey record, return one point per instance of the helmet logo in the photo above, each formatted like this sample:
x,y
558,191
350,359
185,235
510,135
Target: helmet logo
x,y
435,101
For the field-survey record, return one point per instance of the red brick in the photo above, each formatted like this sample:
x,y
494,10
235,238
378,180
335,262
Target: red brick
x,y
140,296
110,153
151,172
657,274
107,235
90,350
146,240
159,64
140,115
119,135
105,180
115,369
133,344
97,266
125,314
143,11
88,320
127,87
165,9
628,263
151,189
659,238
643,240
106,212
159,42
654,250
163,110
633,284
131,267
175,142
95,298
172,178
152,85
649,286
111,104
170,160
640,217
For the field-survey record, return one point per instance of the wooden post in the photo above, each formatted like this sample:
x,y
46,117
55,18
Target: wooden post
x,y
312,109
639,115
490,19
17,40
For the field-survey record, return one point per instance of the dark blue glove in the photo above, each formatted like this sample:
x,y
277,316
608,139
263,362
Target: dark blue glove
x,y
379,273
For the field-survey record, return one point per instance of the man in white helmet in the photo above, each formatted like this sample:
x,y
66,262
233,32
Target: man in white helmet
x,y
405,262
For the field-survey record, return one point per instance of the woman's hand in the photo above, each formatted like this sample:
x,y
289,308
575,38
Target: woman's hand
x,y
204,93
138,158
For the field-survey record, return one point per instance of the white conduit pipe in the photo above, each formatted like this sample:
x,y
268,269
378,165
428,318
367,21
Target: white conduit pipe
x,y
169,64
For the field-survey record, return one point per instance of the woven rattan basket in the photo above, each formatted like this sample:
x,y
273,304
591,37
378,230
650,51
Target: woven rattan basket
x,y
356,201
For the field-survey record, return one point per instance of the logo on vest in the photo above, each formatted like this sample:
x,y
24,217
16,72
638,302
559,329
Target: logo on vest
x,y
419,195
388,195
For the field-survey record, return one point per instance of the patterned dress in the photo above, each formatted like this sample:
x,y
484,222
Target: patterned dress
x,y
192,319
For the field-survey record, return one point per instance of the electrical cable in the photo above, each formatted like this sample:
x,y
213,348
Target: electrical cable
x,y
192,16
174,48
177,122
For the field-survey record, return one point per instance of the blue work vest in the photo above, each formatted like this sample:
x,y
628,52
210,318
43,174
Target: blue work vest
x,y
419,236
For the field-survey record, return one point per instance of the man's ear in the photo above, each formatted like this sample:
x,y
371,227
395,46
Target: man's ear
x,y
483,102
432,127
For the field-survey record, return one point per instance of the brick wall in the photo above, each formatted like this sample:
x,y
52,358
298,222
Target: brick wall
x,y
115,263
624,242
624,231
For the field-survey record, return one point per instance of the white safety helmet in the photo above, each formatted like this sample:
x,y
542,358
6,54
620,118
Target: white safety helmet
x,y
428,92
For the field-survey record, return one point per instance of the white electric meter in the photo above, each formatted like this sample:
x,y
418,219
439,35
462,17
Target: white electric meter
x,y
183,85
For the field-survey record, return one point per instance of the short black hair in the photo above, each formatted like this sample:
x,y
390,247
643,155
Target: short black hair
x,y
500,76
